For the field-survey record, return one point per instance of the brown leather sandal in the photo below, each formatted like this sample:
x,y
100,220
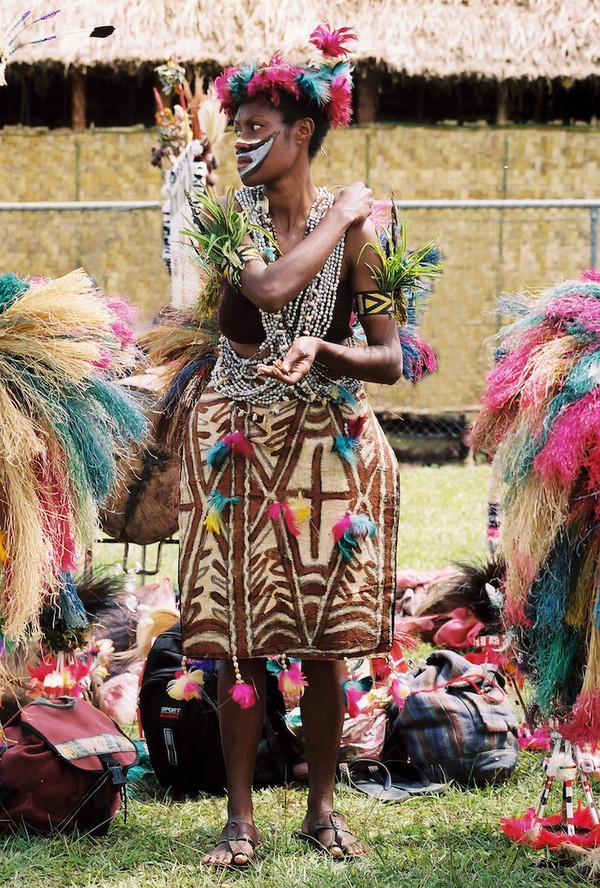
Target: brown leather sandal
x,y
235,832
331,821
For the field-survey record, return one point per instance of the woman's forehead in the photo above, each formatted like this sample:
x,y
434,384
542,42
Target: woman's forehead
x,y
256,109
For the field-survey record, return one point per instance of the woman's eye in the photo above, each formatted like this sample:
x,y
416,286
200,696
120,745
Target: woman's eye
x,y
255,126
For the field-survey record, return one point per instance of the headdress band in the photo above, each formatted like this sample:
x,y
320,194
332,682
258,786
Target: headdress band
x,y
326,84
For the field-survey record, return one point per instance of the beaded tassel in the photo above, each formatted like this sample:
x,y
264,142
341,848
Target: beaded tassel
x,y
347,445
290,679
293,512
354,689
349,529
236,443
213,521
241,692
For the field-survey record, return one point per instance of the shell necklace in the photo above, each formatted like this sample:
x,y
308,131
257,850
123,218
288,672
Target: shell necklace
x,y
308,314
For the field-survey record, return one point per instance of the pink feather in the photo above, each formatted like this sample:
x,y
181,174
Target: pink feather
x,y
243,694
291,681
353,696
340,527
239,444
398,691
356,426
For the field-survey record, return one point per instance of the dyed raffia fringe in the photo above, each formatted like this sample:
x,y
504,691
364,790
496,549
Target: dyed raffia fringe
x,y
540,418
184,348
63,419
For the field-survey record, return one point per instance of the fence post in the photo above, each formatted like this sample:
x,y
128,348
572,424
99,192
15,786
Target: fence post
x,y
593,237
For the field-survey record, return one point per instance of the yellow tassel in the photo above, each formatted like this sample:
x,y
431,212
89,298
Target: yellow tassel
x,y
300,507
213,522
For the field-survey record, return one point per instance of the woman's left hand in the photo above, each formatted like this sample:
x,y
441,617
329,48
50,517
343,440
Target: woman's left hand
x,y
297,362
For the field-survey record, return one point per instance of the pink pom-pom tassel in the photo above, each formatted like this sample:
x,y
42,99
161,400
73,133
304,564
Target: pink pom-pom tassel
x,y
243,694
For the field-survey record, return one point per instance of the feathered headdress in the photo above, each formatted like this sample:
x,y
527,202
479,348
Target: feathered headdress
x,y
326,84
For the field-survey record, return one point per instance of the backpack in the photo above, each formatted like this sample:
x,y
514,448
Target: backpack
x,y
456,722
63,764
183,736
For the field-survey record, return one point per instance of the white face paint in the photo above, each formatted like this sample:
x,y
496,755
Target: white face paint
x,y
252,155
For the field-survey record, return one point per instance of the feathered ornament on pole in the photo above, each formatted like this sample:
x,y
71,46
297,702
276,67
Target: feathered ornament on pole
x,y
11,43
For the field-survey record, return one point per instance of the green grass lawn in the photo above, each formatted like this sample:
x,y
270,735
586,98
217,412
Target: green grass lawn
x,y
450,841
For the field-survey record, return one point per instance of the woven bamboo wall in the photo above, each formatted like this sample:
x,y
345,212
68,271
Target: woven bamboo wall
x,y
485,250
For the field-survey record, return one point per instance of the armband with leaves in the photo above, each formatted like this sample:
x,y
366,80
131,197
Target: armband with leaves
x,y
219,235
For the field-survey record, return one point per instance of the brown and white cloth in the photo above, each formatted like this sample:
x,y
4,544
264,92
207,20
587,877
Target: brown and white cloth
x,y
255,589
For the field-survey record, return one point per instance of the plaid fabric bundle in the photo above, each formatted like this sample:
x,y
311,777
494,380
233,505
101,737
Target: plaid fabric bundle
x,y
457,722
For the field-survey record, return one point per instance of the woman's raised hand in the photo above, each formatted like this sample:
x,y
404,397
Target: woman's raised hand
x,y
356,200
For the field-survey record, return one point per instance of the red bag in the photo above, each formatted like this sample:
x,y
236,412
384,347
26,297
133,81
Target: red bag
x,y
63,764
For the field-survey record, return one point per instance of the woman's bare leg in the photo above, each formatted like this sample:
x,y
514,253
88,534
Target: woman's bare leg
x,y
241,730
322,708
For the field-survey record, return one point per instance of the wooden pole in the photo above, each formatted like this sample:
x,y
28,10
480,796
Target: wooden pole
x,y
78,100
367,95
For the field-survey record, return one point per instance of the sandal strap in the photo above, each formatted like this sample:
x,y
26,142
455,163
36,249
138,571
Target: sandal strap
x,y
332,820
238,831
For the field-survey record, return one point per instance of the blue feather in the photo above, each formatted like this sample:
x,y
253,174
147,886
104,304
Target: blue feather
x,y
346,447
217,455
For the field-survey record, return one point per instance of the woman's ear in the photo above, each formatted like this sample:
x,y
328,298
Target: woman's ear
x,y
304,129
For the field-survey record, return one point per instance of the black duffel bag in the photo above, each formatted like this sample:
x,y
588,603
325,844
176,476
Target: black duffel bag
x,y
183,737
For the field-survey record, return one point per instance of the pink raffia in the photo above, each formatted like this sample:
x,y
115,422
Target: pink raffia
x,y
573,440
583,726
53,494
332,43
243,694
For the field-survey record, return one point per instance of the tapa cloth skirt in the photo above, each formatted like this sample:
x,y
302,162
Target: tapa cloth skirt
x,y
256,589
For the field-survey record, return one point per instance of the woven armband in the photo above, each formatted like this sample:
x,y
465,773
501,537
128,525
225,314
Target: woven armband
x,y
233,264
374,302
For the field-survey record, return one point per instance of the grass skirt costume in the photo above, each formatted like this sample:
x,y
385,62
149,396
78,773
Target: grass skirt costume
x,y
288,498
259,587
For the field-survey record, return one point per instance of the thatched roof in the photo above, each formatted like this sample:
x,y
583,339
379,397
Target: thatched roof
x,y
499,39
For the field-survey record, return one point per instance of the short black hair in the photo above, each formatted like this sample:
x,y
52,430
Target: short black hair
x,y
292,110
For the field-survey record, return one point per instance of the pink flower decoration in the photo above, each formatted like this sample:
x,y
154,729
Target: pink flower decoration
x,y
331,43
381,213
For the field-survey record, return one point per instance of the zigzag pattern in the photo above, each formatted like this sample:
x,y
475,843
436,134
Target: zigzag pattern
x,y
256,590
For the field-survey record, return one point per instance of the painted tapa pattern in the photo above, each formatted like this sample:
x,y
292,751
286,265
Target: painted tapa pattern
x,y
257,590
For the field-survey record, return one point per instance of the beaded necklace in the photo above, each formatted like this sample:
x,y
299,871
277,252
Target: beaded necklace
x,y
308,314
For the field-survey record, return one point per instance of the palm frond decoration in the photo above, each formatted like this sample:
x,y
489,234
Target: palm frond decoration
x,y
403,272
220,236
